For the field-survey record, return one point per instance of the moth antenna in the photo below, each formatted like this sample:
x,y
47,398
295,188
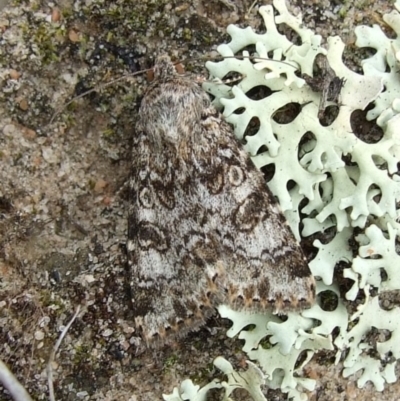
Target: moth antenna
x,y
114,81
96,89
239,57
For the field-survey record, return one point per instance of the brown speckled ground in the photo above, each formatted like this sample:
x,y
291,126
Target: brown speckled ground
x,y
62,217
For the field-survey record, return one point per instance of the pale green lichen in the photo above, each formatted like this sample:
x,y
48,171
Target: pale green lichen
x,y
385,62
343,182
250,380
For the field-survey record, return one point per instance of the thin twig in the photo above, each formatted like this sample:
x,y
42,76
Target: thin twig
x,y
249,10
49,368
11,383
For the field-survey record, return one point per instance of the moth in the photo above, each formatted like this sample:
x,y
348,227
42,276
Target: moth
x,y
203,228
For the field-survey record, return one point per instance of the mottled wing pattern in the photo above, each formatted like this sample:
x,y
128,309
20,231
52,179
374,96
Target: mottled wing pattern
x,y
174,281
203,227
264,263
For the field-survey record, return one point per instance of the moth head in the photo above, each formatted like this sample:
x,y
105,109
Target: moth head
x,y
164,68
